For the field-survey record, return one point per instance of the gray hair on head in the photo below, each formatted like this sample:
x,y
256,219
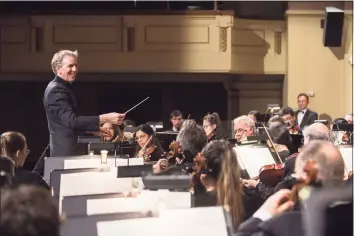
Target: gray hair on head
x,y
317,131
57,60
244,118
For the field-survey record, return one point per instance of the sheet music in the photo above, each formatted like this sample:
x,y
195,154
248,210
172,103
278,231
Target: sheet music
x,y
168,199
120,205
210,221
93,183
347,154
253,157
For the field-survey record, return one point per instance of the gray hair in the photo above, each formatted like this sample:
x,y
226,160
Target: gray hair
x,y
328,159
57,60
250,122
192,139
317,131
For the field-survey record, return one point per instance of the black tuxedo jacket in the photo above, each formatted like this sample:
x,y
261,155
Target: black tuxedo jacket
x,y
308,119
63,122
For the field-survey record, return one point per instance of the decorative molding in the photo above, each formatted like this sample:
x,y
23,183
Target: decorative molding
x,y
315,13
223,38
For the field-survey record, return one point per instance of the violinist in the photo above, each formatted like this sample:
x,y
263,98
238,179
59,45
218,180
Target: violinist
x,y
329,166
288,115
219,173
148,146
243,127
212,126
128,123
282,143
192,139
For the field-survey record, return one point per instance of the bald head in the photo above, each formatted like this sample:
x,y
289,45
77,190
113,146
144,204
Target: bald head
x,y
316,131
328,160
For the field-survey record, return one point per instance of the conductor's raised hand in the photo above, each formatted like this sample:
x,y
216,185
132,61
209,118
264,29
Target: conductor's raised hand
x,y
113,118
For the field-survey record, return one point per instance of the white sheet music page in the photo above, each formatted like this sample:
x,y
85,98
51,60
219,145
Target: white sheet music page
x,y
210,221
119,205
86,183
253,158
347,154
86,163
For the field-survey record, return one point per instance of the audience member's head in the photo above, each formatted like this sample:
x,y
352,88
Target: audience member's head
x,y
255,115
222,171
328,159
28,211
192,139
13,145
316,131
243,127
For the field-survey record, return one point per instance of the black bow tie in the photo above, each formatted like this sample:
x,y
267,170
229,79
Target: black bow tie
x,y
303,112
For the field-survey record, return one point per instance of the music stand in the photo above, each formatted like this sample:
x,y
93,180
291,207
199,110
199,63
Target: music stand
x,y
342,127
170,182
133,171
166,138
88,140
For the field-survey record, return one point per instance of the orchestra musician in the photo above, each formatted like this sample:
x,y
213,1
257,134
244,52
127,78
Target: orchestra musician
x,y
330,169
113,131
349,117
255,116
61,107
304,116
220,175
288,115
213,127
148,145
176,118
243,128
14,146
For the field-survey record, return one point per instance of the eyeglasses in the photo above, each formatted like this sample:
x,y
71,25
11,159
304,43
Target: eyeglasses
x,y
240,131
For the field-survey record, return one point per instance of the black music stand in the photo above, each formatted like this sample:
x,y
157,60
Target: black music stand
x,y
88,140
170,182
133,171
342,127
166,138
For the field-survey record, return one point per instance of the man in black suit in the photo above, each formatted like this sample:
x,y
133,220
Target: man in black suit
x,y
304,116
61,108
176,118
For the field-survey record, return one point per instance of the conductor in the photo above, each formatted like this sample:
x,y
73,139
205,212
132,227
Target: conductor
x,y
61,108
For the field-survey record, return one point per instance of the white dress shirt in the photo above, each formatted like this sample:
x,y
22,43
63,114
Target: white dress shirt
x,y
300,116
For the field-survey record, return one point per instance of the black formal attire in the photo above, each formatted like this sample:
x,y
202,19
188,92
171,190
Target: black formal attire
x,y
28,178
308,118
64,124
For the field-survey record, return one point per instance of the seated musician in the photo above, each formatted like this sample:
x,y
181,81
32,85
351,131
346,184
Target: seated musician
x,y
340,137
14,145
281,138
349,117
192,139
113,132
243,127
128,123
288,115
255,116
275,119
316,131
176,118
330,170
148,145
220,175
212,127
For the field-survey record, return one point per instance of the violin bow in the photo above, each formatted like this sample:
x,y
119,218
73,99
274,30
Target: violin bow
x,y
136,105
271,141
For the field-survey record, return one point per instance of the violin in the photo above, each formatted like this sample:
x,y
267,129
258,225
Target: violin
x,y
311,179
147,150
175,152
271,175
294,129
